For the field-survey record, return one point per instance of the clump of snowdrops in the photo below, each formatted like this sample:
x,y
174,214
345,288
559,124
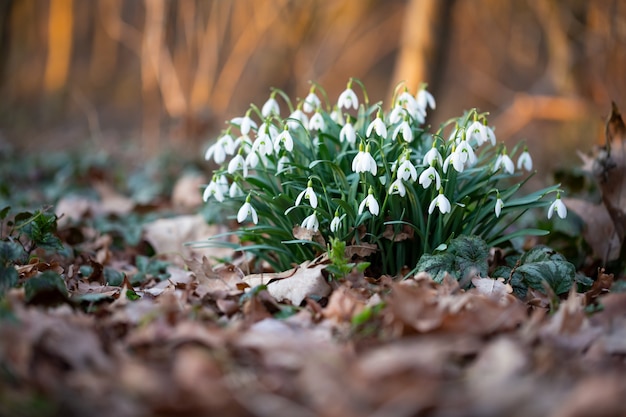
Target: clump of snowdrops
x,y
299,175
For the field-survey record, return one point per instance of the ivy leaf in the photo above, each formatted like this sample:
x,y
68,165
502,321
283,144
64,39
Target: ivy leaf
x,y
11,252
47,288
559,275
437,265
8,278
471,254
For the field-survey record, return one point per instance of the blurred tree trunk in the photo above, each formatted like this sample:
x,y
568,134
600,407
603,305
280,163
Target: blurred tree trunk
x,y
60,32
5,19
423,45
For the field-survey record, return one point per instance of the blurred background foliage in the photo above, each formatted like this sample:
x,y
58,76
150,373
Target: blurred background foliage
x,y
165,74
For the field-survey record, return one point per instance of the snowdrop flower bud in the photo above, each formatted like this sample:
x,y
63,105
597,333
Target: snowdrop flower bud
x,y
441,202
369,202
271,106
246,211
499,205
317,122
282,163
348,98
557,205
235,190
525,161
311,222
308,194
488,132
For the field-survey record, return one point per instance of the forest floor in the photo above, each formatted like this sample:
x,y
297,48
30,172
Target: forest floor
x,y
111,314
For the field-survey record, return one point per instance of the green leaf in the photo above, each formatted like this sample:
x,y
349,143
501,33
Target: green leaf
x,y
437,265
47,288
540,254
471,254
11,252
8,278
4,212
559,275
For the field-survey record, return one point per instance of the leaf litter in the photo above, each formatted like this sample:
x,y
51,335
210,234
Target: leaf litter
x,y
115,330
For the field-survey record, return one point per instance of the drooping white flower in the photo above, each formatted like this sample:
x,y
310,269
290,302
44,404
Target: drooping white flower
x,y
405,129
245,123
252,160
263,145
466,153
505,162
397,187
308,194
347,133
235,190
246,211
270,107
428,176
267,130
406,171
406,100
317,122
441,202
425,99
559,206
525,161
311,222
396,114
348,98
335,223
238,163
456,134
213,190
364,162
336,116
225,145
378,126
455,158
432,155
370,203
282,163
244,142
297,115
476,131
311,102
499,205
489,134
284,139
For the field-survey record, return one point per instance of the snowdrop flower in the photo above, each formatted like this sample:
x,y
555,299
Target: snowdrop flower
x,y
428,176
347,133
284,139
246,211
466,153
476,130
396,114
271,106
407,170
371,204
525,160
235,191
225,145
262,145
455,159
406,100
456,134
425,99
297,115
432,155
216,188
348,98
405,128
378,126
252,160
364,162
317,122
489,134
557,205
243,141
267,130
311,222
245,123
335,223
311,102
336,116
308,194
238,163
282,163
397,187
504,161
441,202
499,205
